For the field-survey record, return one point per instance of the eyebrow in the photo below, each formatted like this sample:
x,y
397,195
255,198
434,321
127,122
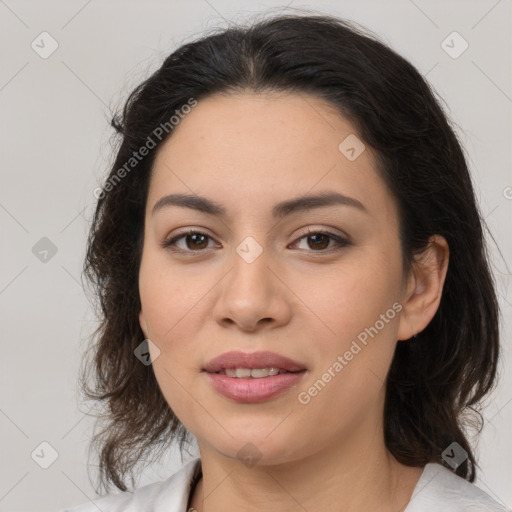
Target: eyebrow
x,y
280,210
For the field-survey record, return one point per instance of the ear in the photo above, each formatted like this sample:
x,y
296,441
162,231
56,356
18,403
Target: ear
x,y
143,324
424,288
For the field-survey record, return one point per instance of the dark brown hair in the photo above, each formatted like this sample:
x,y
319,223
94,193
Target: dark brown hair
x,y
436,378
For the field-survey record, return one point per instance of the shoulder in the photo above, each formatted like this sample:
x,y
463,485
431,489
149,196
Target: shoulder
x,y
168,495
441,490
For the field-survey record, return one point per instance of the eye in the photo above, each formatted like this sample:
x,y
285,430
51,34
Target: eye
x,y
193,241
319,241
196,241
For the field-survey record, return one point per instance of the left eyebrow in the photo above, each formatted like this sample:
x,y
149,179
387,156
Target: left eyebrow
x,y
280,210
312,201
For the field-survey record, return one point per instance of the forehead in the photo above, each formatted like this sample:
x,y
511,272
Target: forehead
x,y
256,149
266,125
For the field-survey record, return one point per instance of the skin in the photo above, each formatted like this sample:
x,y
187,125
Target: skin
x,y
248,152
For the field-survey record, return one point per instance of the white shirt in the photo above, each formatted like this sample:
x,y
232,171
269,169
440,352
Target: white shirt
x,y
437,490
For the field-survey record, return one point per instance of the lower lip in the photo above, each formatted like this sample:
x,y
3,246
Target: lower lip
x,y
253,390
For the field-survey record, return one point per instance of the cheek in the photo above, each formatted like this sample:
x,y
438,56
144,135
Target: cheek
x,y
348,299
349,379
356,339
168,301
169,298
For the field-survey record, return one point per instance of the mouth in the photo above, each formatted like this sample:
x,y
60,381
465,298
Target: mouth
x,y
253,377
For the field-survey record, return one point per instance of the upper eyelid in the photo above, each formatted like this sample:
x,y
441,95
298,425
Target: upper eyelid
x,y
205,231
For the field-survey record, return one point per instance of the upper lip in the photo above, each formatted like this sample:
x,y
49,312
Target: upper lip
x,y
252,360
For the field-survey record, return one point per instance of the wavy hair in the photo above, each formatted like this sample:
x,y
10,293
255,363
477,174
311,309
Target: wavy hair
x,y
438,378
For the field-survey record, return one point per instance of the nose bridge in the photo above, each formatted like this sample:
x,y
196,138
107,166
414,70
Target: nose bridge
x,y
250,292
250,262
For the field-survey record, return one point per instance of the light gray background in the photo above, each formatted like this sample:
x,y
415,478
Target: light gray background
x,y
55,148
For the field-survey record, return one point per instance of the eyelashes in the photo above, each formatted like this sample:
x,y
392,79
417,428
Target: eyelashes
x,y
171,244
199,239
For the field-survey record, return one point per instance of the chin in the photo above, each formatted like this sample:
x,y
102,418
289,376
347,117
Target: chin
x,y
254,446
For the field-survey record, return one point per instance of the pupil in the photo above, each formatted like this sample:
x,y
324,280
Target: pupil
x,y
194,237
321,246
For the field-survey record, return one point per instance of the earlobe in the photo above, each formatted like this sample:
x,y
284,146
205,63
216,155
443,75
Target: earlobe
x,y
424,288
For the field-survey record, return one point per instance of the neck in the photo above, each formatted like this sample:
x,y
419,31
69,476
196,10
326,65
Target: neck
x,y
358,474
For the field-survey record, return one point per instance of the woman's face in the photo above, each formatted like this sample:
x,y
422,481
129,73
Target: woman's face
x,y
257,277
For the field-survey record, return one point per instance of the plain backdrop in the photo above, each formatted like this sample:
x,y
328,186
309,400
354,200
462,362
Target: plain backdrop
x,y
55,149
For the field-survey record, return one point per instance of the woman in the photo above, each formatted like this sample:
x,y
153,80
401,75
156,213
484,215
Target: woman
x,y
291,266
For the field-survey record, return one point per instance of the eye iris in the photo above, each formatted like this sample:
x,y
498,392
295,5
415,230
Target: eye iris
x,y
321,245
195,237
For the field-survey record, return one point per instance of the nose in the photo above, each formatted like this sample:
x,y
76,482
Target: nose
x,y
252,296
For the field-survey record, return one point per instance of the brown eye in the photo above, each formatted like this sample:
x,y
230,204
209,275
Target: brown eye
x,y
318,241
189,242
197,241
